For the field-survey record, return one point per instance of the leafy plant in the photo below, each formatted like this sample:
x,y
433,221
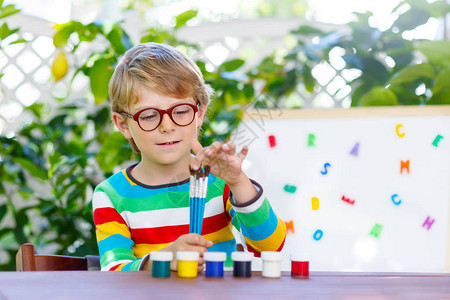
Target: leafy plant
x,y
389,70
427,82
49,168
405,81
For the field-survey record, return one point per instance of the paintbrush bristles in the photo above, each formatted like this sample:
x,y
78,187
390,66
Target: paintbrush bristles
x,y
207,170
201,172
191,171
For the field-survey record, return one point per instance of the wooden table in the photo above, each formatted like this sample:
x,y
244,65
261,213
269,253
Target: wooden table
x,y
140,285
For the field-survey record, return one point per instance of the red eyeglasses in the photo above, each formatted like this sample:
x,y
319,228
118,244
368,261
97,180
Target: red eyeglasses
x,y
149,118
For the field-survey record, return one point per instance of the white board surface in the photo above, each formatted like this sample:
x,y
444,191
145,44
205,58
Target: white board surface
x,y
393,219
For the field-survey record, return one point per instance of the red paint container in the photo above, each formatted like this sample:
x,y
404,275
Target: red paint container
x,y
299,265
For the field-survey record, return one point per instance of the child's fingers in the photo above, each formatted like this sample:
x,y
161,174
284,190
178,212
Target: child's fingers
x,y
199,154
173,265
196,146
223,156
199,159
210,152
213,153
204,155
229,148
195,163
243,153
213,149
195,239
201,261
216,145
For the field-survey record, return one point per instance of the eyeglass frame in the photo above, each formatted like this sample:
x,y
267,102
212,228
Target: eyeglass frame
x,y
161,112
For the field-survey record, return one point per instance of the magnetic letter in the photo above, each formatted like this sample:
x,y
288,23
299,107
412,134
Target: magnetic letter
x,y
318,234
428,223
396,202
289,226
355,150
400,134
290,188
376,230
348,200
325,169
272,141
311,139
315,203
404,165
437,140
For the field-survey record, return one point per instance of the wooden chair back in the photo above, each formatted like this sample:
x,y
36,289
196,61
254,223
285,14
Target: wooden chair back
x,y
26,260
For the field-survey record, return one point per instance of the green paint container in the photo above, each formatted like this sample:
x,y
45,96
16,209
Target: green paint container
x,y
161,263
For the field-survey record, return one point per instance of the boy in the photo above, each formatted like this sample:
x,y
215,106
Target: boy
x,y
159,100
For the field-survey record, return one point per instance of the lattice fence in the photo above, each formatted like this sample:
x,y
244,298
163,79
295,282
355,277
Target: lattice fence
x,y
27,67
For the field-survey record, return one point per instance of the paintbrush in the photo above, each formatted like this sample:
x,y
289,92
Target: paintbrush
x,y
197,197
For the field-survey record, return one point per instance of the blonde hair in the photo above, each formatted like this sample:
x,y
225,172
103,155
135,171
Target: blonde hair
x,y
161,68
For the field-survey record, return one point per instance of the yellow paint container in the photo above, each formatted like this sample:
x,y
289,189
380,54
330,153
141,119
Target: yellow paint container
x,y
187,263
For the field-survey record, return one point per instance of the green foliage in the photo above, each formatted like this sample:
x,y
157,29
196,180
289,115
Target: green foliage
x,y
368,50
5,31
436,52
114,148
99,75
183,18
388,74
413,73
281,8
379,96
84,33
49,169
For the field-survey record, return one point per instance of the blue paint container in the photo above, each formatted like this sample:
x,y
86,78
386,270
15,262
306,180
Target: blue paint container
x,y
214,263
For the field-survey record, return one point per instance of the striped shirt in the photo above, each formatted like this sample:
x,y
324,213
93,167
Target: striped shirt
x,y
133,219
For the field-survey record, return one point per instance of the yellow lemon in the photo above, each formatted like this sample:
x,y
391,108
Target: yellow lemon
x,y
60,66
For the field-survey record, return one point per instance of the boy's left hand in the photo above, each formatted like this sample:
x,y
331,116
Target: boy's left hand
x,y
222,158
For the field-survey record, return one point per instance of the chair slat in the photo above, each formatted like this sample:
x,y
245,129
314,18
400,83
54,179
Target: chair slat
x,y
26,260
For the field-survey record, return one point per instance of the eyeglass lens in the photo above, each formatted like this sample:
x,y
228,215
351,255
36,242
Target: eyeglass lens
x,y
181,115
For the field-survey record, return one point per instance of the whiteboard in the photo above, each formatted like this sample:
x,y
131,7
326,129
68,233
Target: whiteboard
x,y
337,179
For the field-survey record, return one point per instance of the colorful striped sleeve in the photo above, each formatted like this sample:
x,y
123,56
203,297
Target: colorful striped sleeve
x,y
113,236
261,228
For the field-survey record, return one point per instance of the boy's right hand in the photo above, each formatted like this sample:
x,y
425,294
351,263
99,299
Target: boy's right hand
x,y
189,242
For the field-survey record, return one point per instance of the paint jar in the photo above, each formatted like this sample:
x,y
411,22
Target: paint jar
x,y
187,263
271,264
214,263
161,263
299,265
242,264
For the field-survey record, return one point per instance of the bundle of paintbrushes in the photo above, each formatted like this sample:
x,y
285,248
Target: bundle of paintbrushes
x,y
197,197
